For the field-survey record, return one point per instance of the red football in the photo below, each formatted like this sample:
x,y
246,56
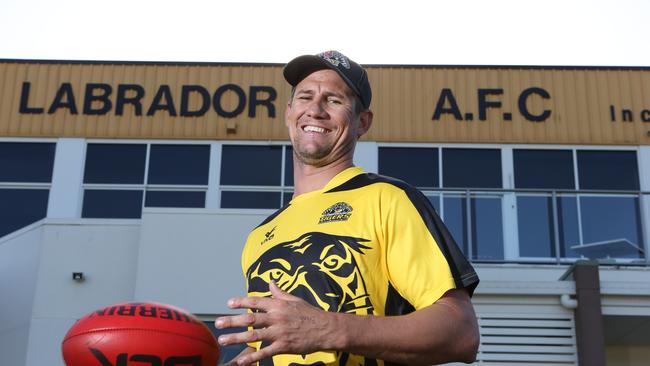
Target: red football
x,y
140,334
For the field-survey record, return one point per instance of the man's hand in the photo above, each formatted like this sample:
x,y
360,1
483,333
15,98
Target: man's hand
x,y
284,323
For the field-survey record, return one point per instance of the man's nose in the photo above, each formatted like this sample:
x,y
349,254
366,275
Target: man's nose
x,y
317,109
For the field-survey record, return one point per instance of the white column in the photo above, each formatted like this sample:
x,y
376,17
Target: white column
x,y
66,193
212,197
509,206
366,155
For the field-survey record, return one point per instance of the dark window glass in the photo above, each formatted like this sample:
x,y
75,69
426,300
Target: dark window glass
x,y
174,199
471,168
21,207
251,165
288,167
536,226
227,353
231,199
179,164
416,166
486,225
487,228
286,197
610,218
535,221
115,163
26,162
568,222
545,169
455,217
435,202
112,204
607,170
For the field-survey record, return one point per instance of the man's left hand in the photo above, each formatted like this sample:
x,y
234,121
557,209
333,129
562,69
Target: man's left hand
x,y
284,323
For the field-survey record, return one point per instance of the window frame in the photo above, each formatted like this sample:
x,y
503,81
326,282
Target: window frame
x,y
32,185
509,211
282,188
145,186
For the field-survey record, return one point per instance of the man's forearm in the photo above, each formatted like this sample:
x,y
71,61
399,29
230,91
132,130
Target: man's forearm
x,y
443,332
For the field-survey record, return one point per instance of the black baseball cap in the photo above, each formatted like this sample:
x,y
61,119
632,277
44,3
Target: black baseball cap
x,y
351,72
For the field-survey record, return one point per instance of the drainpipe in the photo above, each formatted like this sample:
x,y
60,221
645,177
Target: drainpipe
x,y
590,333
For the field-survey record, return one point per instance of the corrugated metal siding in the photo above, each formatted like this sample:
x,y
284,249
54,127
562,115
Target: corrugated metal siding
x,y
404,102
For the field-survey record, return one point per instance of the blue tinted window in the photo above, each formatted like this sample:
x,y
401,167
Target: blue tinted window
x,y
286,197
535,221
288,167
487,229
537,228
435,201
115,163
455,217
112,204
21,208
26,162
486,225
608,170
251,165
416,166
471,168
250,199
545,169
179,164
568,225
609,218
175,199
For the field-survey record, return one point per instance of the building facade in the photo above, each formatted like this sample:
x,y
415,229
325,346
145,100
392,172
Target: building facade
x,y
146,177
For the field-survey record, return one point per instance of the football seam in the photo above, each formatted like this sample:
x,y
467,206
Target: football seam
x,y
144,329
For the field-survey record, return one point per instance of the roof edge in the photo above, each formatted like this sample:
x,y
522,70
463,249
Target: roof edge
x,y
271,64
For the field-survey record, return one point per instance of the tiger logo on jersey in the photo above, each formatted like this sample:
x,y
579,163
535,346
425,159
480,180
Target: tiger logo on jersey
x,y
317,267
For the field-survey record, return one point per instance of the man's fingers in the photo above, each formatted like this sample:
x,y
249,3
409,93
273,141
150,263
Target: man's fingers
x,y
252,302
252,335
266,352
243,320
277,293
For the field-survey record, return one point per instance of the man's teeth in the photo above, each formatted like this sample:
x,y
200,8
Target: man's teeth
x,y
314,129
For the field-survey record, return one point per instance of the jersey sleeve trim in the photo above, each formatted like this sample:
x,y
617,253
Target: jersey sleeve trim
x,y
463,273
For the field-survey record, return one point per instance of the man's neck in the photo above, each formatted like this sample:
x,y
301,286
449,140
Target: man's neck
x,y
308,178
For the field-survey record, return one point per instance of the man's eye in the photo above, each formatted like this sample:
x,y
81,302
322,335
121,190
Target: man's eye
x,y
335,101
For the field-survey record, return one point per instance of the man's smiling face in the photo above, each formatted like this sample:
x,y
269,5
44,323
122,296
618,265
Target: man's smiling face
x,y
322,121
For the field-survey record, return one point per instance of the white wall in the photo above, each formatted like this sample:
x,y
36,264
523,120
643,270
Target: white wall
x,y
192,257
19,257
105,251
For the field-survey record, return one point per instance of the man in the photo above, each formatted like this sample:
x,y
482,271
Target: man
x,y
357,269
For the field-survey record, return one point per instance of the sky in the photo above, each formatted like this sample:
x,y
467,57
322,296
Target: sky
x,y
451,32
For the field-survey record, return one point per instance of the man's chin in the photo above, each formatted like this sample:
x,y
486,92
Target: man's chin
x,y
313,156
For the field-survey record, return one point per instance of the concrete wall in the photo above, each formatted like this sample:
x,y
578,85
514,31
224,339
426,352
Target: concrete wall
x,y
628,355
105,251
191,258
19,261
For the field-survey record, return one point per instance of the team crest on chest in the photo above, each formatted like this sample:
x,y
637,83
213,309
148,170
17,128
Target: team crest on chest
x,y
340,211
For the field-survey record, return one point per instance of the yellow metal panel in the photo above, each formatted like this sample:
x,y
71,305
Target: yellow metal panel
x,y
587,106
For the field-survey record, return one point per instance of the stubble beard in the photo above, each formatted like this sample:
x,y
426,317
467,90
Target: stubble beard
x,y
311,155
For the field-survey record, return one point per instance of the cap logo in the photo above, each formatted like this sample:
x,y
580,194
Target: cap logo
x,y
335,58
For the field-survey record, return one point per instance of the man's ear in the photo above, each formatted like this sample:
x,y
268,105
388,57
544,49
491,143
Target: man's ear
x,y
365,121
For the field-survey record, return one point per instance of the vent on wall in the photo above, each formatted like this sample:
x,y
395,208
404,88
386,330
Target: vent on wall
x,y
526,339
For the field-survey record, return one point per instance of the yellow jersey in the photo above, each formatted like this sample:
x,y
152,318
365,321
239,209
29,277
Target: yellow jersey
x,y
364,244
